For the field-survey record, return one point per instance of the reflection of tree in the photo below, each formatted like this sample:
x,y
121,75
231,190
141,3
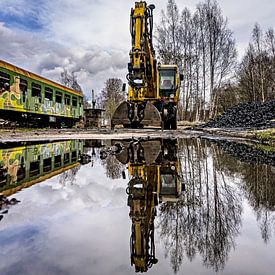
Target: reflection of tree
x,y
170,232
69,176
259,185
258,180
113,167
207,217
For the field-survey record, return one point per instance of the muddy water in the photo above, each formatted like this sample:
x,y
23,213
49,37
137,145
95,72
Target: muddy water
x,y
186,206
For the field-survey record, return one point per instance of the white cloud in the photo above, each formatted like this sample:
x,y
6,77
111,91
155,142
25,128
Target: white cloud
x,y
91,37
92,66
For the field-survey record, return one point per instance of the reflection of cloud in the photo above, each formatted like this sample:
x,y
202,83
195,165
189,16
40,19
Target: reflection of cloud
x,y
68,229
88,191
75,244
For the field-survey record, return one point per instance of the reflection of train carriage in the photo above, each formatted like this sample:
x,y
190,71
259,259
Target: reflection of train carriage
x,y
26,165
26,97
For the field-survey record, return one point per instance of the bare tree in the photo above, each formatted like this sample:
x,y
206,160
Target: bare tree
x,y
70,80
168,33
203,47
111,96
257,70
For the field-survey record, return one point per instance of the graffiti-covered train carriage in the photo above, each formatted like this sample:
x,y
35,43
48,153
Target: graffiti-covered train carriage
x,y
31,99
25,165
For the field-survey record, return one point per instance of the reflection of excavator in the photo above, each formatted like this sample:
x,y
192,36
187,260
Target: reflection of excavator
x,y
153,88
154,177
142,199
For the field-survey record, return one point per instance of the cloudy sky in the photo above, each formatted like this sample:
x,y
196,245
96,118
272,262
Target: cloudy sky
x,y
91,37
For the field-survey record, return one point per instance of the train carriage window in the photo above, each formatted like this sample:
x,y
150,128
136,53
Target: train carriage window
x,y
74,156
36,91
74,101
48,94
57,161
34,168
4,82
66,158
21,172
58,97
67,100
47,165
23,88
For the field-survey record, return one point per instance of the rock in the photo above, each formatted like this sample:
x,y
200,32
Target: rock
x,y
13,201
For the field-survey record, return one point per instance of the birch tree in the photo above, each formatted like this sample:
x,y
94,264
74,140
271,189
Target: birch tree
x,y
202,45
256,72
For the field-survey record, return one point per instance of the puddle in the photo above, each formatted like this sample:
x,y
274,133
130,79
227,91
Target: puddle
x,y
185,206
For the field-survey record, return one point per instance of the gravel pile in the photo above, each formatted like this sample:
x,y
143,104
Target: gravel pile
x,y
246,115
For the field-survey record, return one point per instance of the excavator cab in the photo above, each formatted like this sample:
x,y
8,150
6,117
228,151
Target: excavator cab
x,y
167,82
169,186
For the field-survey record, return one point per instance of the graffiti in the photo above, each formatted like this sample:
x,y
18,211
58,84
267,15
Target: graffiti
x,y
9,161
20,164
10,95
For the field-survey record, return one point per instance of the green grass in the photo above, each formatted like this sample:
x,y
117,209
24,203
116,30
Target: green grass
x,y
266,135
266,148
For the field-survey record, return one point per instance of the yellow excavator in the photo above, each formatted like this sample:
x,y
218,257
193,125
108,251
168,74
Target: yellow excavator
x,y
153,92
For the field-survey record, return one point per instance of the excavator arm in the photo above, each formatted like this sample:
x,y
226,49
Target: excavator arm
x,y
142,66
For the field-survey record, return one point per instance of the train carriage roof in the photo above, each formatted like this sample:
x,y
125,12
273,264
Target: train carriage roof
x,y
36,77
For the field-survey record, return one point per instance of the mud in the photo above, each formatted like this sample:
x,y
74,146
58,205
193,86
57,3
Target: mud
x,y
32,135
52,134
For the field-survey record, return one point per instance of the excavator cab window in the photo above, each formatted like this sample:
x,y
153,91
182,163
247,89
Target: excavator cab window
x,y
167,82
168,182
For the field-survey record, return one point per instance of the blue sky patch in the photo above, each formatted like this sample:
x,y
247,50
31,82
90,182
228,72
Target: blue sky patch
x,y
28,22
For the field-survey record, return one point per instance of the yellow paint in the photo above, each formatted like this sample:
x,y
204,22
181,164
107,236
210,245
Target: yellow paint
x,y
9,160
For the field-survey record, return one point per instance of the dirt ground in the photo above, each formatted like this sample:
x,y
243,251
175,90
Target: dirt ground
x,y
17,135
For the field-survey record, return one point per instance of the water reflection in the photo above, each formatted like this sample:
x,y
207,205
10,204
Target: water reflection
x,y
186,200
258,179
207,217
153,170
194,186
25,165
